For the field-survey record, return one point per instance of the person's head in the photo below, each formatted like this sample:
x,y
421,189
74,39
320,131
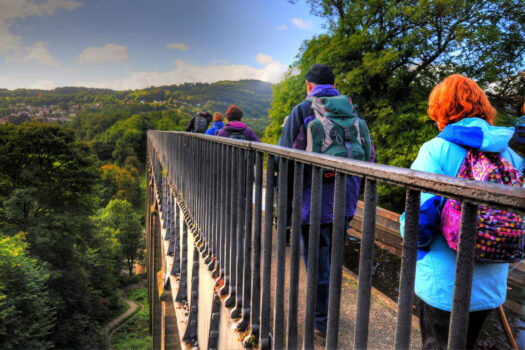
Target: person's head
x,y
206,115
217,117
319,74
457,98
233,113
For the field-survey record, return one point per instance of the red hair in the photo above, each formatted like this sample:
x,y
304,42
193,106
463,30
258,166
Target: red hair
x,y
234,113
457,98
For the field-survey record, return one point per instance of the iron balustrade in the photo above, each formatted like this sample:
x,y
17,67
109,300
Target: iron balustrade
x,y
217,185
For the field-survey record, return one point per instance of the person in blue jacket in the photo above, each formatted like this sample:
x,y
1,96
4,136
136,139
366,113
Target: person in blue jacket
x,y
465,118
217,124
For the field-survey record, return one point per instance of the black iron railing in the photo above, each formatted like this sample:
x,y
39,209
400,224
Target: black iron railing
x,y
220,182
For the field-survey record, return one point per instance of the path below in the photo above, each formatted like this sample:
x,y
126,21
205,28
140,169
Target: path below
x,y
112,327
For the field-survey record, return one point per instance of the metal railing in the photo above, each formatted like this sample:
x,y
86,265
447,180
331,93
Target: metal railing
x,y
216,179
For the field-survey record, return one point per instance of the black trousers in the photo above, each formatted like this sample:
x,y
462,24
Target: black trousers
x,y
434,325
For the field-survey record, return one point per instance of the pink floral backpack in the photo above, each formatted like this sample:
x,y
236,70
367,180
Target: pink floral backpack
x,y
500,233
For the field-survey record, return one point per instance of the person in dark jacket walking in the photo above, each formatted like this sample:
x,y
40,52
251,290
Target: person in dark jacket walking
x,y
199,123
320,82
217,124
235,129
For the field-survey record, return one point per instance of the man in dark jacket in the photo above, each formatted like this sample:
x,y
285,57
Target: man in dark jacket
x,y
236,129
199,123
320,82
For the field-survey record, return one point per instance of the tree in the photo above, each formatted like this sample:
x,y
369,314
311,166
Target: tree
x,y
120,221
27,314
47,189
388,55
120,183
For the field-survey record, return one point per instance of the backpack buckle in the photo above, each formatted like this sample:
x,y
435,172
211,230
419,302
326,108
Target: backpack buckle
x,y
348,133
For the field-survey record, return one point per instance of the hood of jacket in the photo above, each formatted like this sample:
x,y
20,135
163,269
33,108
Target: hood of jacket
x,y
218,125
235,126
476,133
323,91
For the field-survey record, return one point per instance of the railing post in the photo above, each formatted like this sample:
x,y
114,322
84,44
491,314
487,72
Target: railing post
x,y
267,255
256,273
336,263
408,270
295,243
278,314
228,237
247,265
366,260
457,335
313,257
236,312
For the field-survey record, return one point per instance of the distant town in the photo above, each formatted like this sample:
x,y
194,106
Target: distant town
x,y
22,112
61,113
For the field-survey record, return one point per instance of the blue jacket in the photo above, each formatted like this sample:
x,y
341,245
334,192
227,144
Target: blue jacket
x,y
289,134
214,130
436,263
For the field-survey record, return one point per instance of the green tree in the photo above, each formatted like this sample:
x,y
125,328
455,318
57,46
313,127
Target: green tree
x,y
47,189
119,183
388,55
121,222
27,314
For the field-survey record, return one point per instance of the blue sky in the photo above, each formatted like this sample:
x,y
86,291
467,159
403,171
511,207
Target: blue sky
x,y
130,44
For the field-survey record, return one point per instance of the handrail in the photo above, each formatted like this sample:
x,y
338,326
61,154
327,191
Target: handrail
x,y
477,192
185,168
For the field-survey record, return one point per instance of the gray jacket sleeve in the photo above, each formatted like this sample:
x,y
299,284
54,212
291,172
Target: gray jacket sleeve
x,y
292,126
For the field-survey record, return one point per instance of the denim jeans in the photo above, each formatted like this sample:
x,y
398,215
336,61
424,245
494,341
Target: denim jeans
x,y
323,274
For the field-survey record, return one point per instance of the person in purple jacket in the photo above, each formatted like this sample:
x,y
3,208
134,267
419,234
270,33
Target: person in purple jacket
x,y
320,82
236,129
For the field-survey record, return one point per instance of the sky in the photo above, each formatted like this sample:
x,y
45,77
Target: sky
x,y
132,44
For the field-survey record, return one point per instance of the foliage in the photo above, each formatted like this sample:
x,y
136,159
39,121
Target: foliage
x,y
120,183
134,334
47,189
388,55
121,222
27,314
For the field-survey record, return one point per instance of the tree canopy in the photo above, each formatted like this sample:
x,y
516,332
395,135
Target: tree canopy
x,y
47,189
123,224
388,55
27,313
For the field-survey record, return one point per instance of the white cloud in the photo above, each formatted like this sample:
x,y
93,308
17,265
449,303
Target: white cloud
x,y
39,53
11,10
302,24
15,83
108,53
191,72
43,85
177,46
264,59
281,27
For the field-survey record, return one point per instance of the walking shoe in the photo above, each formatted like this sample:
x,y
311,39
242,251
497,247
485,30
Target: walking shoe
x,y
320,337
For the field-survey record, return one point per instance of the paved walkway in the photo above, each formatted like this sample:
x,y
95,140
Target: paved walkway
x,y
383,310
112,327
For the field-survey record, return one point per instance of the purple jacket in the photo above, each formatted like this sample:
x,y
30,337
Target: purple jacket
x,y
236,126
290,132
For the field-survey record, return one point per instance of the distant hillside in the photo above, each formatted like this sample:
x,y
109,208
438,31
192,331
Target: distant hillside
x,y
252,96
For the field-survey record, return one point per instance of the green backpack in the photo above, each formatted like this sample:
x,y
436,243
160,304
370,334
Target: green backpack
x,y
337,130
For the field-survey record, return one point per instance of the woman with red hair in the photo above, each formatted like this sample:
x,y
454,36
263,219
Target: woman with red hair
x,y
465,118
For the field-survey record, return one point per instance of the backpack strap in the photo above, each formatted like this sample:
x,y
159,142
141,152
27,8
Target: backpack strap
x,y
348,139
364,139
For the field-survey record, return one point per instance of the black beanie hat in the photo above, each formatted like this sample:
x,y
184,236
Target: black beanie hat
x,y
320,74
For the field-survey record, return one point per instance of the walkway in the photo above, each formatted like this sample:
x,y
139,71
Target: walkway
x,y
383,310
115,325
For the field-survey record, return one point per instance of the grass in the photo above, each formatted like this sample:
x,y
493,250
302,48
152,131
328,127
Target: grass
x,y
134,334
